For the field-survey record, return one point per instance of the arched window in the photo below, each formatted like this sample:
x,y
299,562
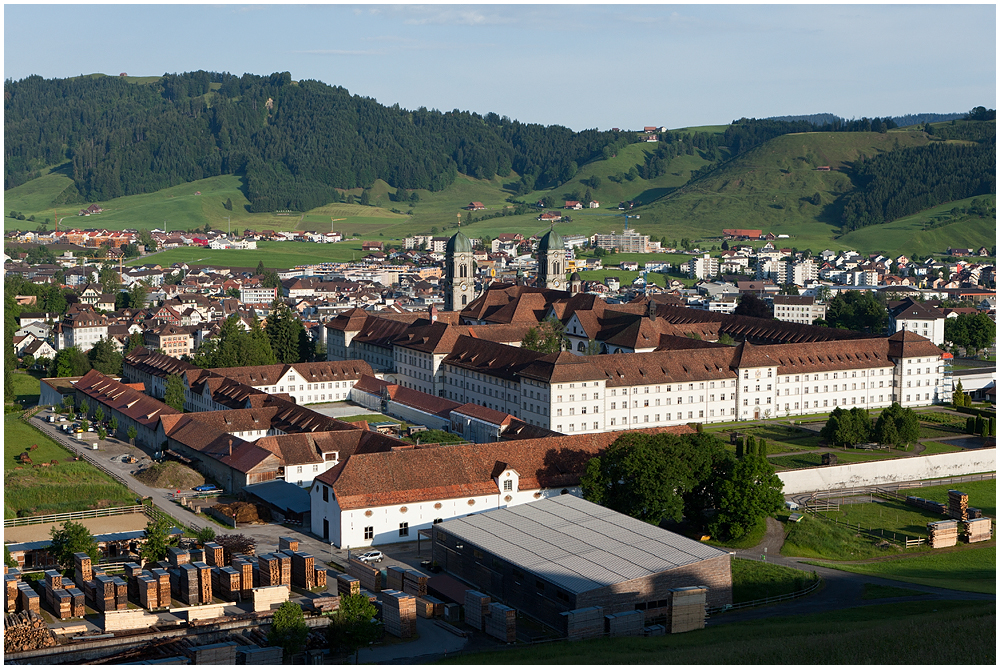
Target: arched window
x,y
555,268
462,271
580,347
465,298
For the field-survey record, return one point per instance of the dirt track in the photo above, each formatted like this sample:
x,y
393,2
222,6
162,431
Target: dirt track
x,y
124,523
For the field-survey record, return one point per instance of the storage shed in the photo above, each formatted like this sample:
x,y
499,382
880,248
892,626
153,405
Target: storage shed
x,y
565,553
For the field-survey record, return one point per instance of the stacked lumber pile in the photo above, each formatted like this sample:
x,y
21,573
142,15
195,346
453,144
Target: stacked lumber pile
x,y
25,631
978,529
83,569
214,555
631,623
370,577
303,570
29,599
394,577
269,566
414,583
477,607
687,609
399,613
425,609
10,581
942,533
149,591
958,505
348,585
288,544
585,623
216,653
502,623
162,577
319,576
177,556
285,569
245,567
268,655
437,604
654,630
188,590
927,504
975,513
228,583
79,602
204,583
325,604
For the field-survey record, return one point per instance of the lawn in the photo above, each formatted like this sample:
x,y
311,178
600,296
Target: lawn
x,y
814,459
982,494
757,580
867,635
813,537
891,516
938,431
274,255
971,569
66,486
873,591
26,387
935,448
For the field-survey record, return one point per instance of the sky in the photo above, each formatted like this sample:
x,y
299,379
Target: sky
x,y
577,65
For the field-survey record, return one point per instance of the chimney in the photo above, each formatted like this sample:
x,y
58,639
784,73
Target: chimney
x,y
433,313
230,448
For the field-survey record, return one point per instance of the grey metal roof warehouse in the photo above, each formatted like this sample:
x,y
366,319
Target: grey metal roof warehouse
x,y
577,544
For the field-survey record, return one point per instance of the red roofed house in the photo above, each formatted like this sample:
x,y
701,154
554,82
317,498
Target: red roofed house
x,y
476,206
738,233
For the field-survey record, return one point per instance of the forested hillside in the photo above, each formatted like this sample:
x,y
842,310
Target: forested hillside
x,y
295,142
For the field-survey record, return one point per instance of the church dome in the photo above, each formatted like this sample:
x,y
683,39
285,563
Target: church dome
x,y
459,243
550,241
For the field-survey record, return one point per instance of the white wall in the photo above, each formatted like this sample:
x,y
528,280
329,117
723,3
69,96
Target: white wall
x,y
890,471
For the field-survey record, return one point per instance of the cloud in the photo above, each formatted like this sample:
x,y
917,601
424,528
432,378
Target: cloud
x,y
341,52
422,15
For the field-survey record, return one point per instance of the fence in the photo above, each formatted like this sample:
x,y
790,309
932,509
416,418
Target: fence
x,y
75,515
767,600
900,539
906,485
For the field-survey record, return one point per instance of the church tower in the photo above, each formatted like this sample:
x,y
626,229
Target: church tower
x,y
459,280
551,261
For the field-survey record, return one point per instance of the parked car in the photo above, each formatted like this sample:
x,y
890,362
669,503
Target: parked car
x,y
371,556
208,487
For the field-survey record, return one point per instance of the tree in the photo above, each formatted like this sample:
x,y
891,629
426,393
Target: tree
x,y
113,424
957,398
288,628
648,476
854,310
174,393
99,413
229,204
137,295
789,289
751,305
847,428
353,626
157,541
546,338
102,434
132,433
897,426
260,268
105,358
85,408
70,361
205,535
970,331
288,338
746,495
724,338
72,538
235,347
135,340
366,197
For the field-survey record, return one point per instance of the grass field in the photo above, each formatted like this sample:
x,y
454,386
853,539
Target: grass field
x,y
813,537
757,580
26,387
814,459
67,486
889,515
970,570
982,494
274,255
868,635
936,448
873,591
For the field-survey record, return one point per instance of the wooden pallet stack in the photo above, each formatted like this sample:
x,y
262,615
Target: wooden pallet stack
x,y
79,602
26,631
370,577
285,573
654,630
61,602
978,529
414,583
325,604
214,555
196,555
303,570
502,623
204,582
149,591
229,583
687,609
942,533
10,581
425,609
394,578
399,613
975,513
255,655
319,576
162,577
585,623
245,568
927,504
83,570
630,623
177,556
29,599
216,653
269,566
477,607
348,585
288,544
187,585
437,604
958,505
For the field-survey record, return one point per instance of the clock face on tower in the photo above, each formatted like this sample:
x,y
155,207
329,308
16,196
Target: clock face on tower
x,y
464,286
556,283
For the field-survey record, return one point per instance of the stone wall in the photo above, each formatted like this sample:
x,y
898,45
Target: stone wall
x,y
886,472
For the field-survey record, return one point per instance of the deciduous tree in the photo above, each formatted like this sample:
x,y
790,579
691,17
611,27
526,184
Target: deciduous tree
x,y
174,393
353,626
288,629
745,495
70,539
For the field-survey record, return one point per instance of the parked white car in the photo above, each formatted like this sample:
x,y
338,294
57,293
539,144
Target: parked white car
x,y
371,556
